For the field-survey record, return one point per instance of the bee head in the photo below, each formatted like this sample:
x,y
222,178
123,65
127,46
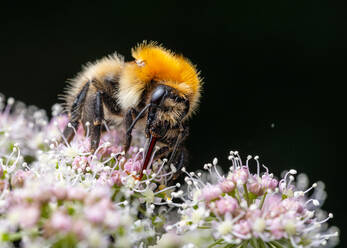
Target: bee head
x,y
154,63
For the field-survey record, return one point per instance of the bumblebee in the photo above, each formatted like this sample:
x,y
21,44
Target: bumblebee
x,y
157,91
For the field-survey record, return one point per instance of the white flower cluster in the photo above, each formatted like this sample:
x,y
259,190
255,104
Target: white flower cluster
x,y
241,209
55,194
60,195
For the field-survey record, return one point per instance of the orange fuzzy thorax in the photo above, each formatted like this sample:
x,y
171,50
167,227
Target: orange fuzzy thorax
x,y
159,64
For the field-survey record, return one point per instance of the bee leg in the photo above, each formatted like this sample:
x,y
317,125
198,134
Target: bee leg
x,y
180,161
98,117
128,122
183,133
131,118
76,113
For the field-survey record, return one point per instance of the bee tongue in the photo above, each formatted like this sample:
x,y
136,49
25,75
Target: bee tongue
x,y
148,154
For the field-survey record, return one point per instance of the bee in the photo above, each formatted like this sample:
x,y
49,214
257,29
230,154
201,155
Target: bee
x,y
158,91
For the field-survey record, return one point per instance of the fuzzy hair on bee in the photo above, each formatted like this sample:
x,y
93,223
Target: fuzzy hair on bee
x,y
158,92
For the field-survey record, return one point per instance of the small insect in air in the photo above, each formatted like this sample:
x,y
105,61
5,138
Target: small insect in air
x,y
158,91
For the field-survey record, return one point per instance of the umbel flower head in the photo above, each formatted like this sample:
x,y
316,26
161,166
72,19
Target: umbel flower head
x,y
242,209
60,195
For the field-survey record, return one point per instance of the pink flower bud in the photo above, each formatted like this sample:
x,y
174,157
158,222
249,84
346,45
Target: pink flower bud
x,y
256,188
26,216
116,177
276,228
268,182
273,184
61,221
97,212
240,176
226,186
96,195
293,205
211,192
225,205
18,179
79,228
80,163
44,196
60,193
133,166
76,194
242,227
94,214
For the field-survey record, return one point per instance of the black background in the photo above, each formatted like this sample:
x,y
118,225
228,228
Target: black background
x,y
263,62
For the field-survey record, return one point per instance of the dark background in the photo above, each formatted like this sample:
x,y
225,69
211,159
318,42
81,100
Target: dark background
x,y
271,71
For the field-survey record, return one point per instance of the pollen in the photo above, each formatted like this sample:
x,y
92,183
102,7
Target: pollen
x,y
161,186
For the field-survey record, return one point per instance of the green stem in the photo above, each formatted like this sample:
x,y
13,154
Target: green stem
x,y
261,243
218,242
262,201
142,211
276,244
254,243
240,245
230,246
5,237
270,245
204,227
245,244
238,195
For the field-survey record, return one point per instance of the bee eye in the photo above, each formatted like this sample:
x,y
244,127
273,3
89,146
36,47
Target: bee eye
x,y
158,95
